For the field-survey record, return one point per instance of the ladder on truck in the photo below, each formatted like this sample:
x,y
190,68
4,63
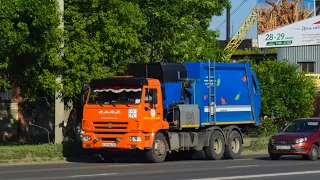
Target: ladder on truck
x,y
212,92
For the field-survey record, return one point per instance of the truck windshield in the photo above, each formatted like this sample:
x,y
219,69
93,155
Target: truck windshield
x,y
115,95
303,126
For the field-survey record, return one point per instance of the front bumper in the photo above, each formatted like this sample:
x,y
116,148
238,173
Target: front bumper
x,y
117,141
289,149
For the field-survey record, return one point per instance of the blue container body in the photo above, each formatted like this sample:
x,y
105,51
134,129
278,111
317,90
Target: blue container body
x,y
237,91
172,93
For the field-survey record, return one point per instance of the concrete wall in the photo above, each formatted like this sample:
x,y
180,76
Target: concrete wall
x,y
8,121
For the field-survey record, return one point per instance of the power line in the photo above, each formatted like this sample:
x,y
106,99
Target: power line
x,y
234,11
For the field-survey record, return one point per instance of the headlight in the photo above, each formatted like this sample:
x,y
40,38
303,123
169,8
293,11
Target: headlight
x,y
86,138
272,140
301,140
135,138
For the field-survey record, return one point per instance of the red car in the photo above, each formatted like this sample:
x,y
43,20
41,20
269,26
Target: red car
x,y
299,138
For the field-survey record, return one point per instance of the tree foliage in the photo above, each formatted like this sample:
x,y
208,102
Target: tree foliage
x,y
286,93
102,37
29,45
177,30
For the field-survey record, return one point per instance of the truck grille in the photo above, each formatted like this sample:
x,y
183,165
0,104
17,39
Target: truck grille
x,y
107,127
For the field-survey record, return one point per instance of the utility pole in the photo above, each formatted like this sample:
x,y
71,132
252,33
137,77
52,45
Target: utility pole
x,y
228,25
59,102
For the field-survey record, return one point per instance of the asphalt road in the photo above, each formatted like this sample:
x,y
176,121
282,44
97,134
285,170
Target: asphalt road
x,y
248,167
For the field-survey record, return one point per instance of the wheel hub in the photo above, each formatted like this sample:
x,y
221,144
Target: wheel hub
x,y
217,145
235,145
159,147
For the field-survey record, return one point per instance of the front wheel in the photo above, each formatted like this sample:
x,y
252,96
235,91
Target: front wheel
x,y
314,153
216,147
159,149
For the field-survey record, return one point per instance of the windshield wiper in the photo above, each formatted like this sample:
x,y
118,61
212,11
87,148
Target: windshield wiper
x,y
125,102
97,102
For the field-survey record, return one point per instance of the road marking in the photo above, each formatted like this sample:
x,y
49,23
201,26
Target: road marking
x,y
93,175
242,166
67,168
261,175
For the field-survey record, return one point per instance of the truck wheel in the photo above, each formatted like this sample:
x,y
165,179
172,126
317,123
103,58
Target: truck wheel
x,y
234,146
216,147
314,153
159,149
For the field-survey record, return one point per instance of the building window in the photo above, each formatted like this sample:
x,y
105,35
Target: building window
x,y
307,67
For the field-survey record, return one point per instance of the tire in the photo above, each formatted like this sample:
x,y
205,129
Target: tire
x,y
274,157
153,155
314,153
212,152
234,146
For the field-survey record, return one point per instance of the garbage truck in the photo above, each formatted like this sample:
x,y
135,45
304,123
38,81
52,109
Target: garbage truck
x,y
159,108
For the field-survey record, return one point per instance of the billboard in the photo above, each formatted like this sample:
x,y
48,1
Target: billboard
x,y
283,23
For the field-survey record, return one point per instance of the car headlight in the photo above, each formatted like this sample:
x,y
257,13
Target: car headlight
x,y
135,138
272,140
301,140
85,138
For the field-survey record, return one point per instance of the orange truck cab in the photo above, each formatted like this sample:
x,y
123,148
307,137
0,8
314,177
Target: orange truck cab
x,y
123,113
164,107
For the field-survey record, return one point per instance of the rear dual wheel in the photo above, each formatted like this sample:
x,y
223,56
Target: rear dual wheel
x,y
216,147
234,146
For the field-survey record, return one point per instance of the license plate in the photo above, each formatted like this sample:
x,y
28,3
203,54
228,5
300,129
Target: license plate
x,y
283,147
109,144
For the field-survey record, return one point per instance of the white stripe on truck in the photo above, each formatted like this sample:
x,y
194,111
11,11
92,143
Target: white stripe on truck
x,y
230,108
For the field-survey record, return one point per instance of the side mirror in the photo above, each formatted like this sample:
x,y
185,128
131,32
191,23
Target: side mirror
x,y
154,96
83,94
85,87
83,99
155,99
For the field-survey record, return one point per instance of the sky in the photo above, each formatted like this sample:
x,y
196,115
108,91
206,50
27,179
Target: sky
x,y
238,17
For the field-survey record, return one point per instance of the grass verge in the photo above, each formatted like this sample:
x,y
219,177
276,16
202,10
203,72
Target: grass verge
x,y
54,152
27,153
257,144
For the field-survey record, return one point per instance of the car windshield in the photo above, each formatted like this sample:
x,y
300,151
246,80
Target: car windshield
x,y
115,95
303,126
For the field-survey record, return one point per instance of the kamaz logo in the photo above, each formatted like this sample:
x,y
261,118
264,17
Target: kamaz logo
x,y
109,112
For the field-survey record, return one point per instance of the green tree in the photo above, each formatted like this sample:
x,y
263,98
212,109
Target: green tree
x,y
29,46
101,38
286,93
177,30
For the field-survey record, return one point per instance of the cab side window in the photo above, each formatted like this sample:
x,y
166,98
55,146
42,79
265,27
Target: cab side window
x,y
151,96
147,96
